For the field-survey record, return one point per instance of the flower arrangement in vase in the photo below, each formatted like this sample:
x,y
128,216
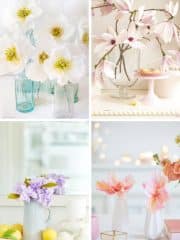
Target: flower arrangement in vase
x,y
133,30
118,189
155,190
37,194
43,46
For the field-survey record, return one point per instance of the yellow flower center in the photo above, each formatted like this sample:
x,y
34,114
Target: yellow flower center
x,y
23,13
62,64
85,38
43,57
11,55
57,32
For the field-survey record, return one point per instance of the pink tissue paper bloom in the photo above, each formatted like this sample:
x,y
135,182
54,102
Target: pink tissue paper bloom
x,y
167,31
131,37
123,5
106,41
155,190
172,8
167,62
116,186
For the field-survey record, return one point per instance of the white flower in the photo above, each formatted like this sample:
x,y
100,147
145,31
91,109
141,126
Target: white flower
x,y
54,29
83,32
23,13
65,64
35,69
14,54
172,8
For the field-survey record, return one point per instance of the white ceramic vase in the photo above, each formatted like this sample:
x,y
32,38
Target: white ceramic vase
x,y
154,224
35,220
120,219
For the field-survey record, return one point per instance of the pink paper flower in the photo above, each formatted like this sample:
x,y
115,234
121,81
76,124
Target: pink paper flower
x,y
167,62
167,31
116,186
123,5
155,190
131,37
172,8
106,41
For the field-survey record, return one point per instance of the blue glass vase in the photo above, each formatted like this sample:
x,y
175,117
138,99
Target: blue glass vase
x,y
24,91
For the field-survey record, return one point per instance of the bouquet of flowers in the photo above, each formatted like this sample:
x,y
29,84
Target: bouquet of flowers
x,y
40,43
40,189
134,29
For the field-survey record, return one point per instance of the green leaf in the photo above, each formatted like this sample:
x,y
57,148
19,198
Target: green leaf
x,y
27,181
8,234
49,185
13,196
156,158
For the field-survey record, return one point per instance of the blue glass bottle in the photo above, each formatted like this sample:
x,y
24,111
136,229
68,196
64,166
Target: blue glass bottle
x,y
24,91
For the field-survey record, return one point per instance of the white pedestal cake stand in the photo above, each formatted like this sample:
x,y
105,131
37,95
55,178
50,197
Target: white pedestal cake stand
x,y
151,98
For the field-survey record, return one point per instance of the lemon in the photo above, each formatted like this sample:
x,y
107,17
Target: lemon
x,y
18,227
3,229
17,234
49,234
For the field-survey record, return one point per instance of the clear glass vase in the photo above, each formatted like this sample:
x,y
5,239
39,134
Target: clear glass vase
x,y
154,224
64,101
24,91
35,220
120,219
125,77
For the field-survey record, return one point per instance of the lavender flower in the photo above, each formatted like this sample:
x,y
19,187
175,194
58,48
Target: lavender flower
x,y
40,189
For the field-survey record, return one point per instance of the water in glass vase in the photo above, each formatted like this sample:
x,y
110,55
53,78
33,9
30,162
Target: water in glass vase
x,y
24,95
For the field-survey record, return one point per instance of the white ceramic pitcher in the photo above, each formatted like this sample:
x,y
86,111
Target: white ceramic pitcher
x,y
35,220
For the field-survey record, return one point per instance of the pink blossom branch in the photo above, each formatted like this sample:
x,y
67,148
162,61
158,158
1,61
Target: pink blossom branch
x,y
103,57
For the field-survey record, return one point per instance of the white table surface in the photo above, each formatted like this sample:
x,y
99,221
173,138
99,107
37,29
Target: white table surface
x,y
105,106
136,226
44,106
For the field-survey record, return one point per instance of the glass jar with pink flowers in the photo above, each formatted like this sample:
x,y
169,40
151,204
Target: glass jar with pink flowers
x,y
117,191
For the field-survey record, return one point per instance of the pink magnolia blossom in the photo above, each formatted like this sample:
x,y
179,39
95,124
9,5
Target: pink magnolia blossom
x,y
155,190
167,31
98,79
106,41
167,62
123,5
116,186
145,18
176,56
172,8
131,37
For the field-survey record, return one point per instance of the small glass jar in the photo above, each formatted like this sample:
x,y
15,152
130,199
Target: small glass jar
x,y
113,235
24,94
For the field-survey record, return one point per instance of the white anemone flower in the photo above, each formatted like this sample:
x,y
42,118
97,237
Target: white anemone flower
x,y
83,32
55,29
35,69
65,64
14,54
23,12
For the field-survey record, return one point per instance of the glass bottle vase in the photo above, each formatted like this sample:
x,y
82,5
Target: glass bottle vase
x,y
64,101
24,94
154,224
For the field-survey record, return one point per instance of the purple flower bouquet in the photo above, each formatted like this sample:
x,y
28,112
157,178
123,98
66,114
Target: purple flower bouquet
x,y
40,189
